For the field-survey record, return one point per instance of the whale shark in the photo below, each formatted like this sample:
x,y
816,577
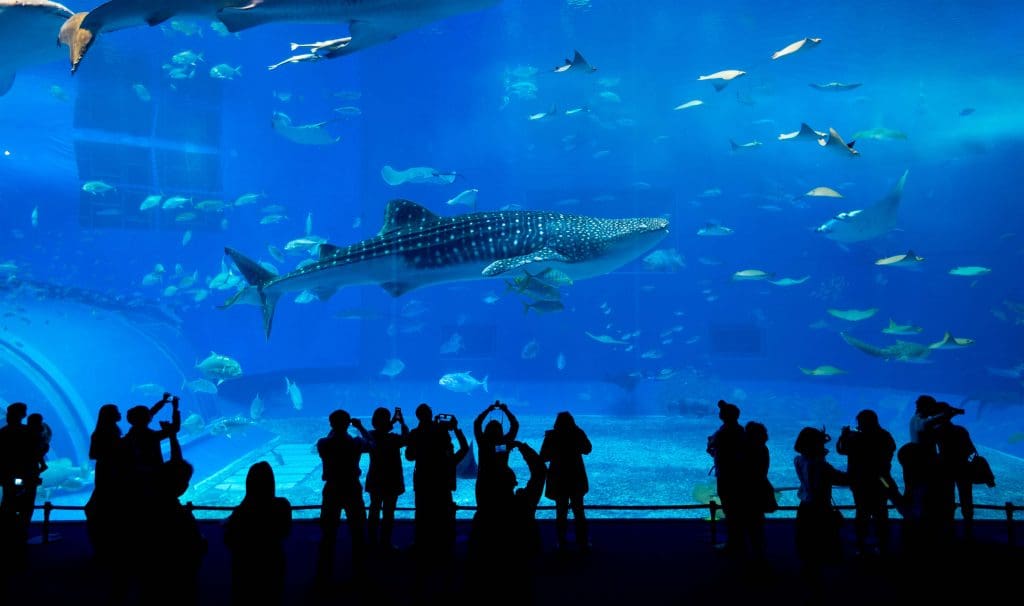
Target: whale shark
x,y
28,29
369,22
901,351
868,223
416,248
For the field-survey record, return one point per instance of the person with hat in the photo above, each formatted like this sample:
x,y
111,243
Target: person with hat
x,y
817,520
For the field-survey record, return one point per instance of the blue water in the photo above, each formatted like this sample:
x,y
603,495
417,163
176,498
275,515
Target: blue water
x,y
444,96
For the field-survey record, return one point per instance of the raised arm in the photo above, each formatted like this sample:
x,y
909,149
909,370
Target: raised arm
x,y
368,441
478,423
463,445
155,408
513,423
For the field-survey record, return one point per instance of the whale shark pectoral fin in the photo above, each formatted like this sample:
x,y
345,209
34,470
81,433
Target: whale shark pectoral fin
x,y
503,265
397,289
362,34
6,81
238,18
77,36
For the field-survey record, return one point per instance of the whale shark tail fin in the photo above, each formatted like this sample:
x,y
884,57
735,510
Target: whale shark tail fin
x,y
257,276
78,37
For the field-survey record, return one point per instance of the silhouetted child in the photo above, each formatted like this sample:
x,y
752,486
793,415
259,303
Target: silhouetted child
x,y
385,481
563,448
727,446
495,480
41,435
340,453
869,451
255,533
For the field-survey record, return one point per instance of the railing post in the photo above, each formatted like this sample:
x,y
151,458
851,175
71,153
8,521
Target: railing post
x,y
189,507
713,506
47,509
1010,534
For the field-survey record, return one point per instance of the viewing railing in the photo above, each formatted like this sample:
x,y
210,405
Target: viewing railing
x,y
1008,508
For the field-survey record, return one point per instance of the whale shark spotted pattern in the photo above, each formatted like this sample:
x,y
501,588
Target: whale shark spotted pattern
x,y
416,247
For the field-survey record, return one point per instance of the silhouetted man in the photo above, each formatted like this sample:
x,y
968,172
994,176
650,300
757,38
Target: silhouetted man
x,y
19,476
869,451
727,446
340,453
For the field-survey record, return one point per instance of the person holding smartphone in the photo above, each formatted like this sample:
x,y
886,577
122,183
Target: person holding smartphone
x,y
384,479
495,479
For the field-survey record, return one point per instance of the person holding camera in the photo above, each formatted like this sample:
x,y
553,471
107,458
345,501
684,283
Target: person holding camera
x,y
19,476
495,480
430,447
141,445
340,454
869,450
385,481
956,449
563,448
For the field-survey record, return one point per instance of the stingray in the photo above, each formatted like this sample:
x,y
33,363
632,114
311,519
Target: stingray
x,y
28,29
305,134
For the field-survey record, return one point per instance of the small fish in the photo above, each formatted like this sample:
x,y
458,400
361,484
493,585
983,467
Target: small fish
x,y
823,371
722,78
349,111
293,393
967,111
752,274
223,71
201,386
452,345
142,93
607,340
491,298
58,93
466,198
273,219
714,229
187,57
97,188
186,237
969,271
823,192
835,86
245,199
176,202
151,202
305,297
34,218
530,350
392,368
560,361
901,329
543,307
689,104
309,225
789,281
744,146
462,382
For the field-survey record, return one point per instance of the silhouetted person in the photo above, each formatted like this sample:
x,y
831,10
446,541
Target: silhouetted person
x,y
563,449
869,450
19,476
141,447
41,436
927,491
956,449
340,453
817,520
101,512
727,446
430,447
495,480
505,541
385,481
255,533
172,545
760,493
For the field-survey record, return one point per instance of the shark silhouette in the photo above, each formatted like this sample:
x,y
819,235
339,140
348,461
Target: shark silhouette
x,y
866,224
416,247
369,22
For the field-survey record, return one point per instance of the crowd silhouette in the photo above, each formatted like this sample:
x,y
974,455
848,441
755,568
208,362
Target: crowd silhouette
x,y
138,527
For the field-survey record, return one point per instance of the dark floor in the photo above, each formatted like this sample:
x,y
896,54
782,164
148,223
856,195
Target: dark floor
x,y
632,562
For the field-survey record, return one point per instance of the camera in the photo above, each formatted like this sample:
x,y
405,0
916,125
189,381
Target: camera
x,y
445,421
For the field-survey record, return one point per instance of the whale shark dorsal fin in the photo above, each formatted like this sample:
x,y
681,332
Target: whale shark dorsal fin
x,y
328,250
402,213
503,265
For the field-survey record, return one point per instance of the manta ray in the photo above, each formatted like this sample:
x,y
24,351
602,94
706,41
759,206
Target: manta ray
x,y
369,22
416,248
866,224
28,29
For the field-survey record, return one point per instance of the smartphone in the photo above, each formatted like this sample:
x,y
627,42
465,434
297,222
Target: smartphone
x,y
501,448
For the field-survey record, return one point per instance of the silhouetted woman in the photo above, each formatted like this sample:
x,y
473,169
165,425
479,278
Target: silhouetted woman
x,y
255,533
385,481
817,520
564,447
101,510
495,480
757,459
